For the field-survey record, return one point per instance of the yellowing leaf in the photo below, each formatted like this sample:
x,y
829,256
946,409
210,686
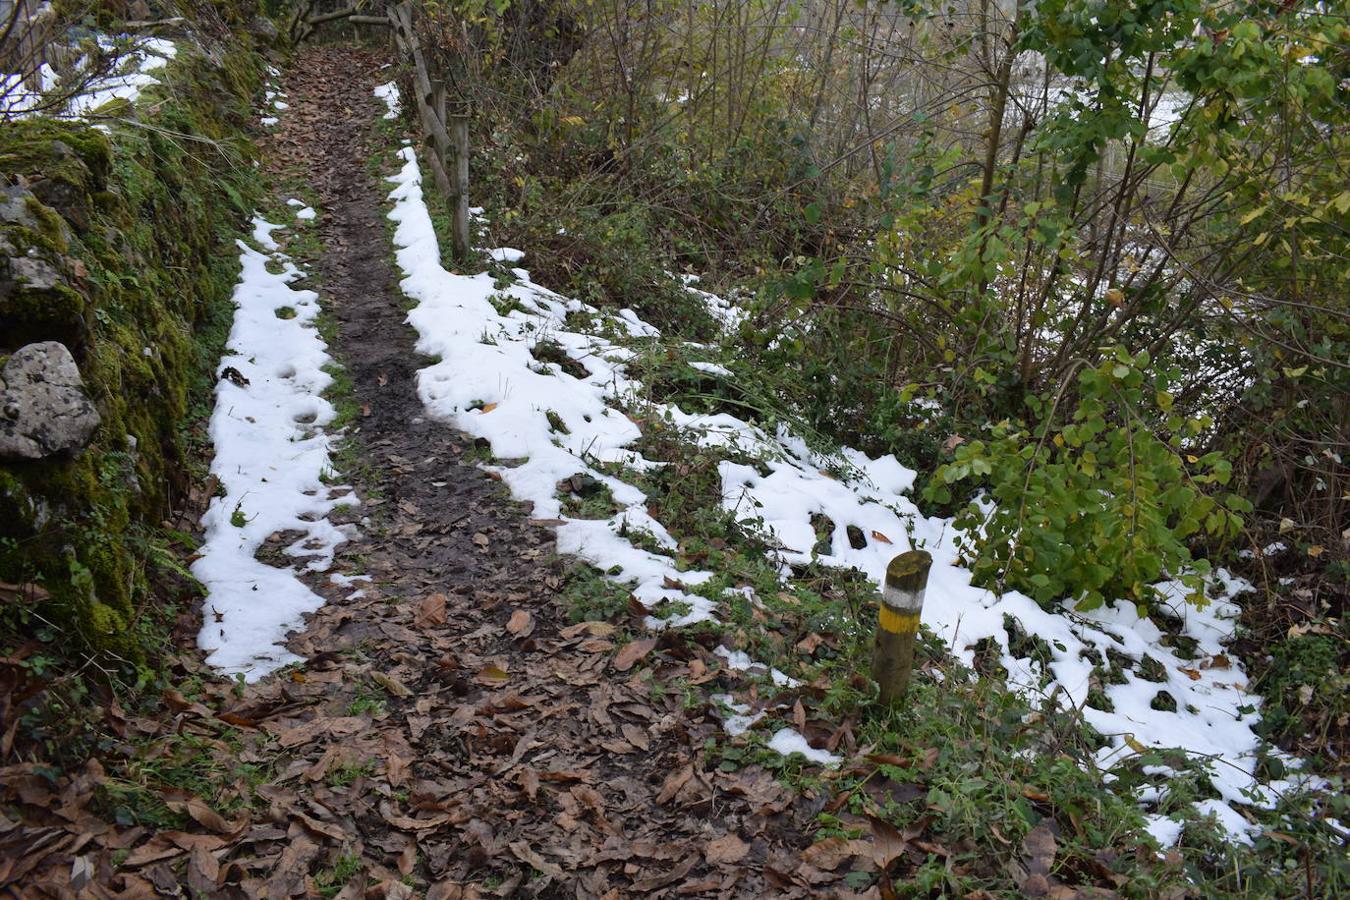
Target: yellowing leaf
x,y
493,673
391,684
1254,214
488,407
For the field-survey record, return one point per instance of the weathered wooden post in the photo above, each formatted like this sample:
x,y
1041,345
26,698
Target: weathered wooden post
x,y
447,135
898,624
459,185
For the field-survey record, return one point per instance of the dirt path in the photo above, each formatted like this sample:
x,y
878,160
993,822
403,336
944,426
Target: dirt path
x,y
450,733
450,730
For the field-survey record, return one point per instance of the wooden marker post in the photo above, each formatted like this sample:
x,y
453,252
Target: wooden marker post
x,y
898,623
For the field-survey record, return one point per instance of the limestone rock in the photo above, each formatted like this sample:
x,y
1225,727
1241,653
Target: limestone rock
x,y
14,207
262,28
43,407
34,272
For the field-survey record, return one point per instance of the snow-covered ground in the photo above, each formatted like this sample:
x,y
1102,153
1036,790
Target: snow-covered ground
x,y
272,457
134,60
488,384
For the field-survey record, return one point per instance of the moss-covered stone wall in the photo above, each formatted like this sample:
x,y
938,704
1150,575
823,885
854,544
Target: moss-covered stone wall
x,y
122,250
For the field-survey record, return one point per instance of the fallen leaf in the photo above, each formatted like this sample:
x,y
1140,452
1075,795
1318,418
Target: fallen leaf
x,y
1038,848
493,674
887,842
905,762
396,768
521,623
1032,793
408,823
636,736
830,853
676,780
631,652
291,868
809,643
877,535
391,684
529,782
204,815
203,871
431,611
594,629
318,826
526,854
488,407
727,849
155,849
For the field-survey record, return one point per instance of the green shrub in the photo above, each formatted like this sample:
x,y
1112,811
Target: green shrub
x,y
1096,509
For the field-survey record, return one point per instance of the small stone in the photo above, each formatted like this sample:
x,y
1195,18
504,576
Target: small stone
x,y
46,408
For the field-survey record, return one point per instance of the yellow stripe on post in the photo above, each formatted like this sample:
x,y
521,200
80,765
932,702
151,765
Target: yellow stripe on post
x,y
898,624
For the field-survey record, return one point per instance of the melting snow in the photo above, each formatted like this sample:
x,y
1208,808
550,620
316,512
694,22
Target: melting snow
x,y
488,384
389,94
129,76
271,455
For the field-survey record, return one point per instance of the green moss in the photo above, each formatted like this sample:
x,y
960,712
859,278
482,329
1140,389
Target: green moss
x,y
139,224
66,153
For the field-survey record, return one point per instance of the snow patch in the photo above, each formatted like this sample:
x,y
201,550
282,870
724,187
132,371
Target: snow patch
x,y
392,100
271,457
133,60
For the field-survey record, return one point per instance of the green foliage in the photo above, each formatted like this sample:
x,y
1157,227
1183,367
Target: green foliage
x,y
332,879
1306,683
1096,508
132,220
591,597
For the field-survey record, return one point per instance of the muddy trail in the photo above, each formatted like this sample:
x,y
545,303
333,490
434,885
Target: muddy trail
x,y
514,751
452,733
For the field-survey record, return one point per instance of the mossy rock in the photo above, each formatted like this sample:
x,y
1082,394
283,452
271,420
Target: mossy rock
x,y
136,228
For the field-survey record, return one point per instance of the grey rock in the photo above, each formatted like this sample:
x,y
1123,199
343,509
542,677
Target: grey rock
x,y
14,207
262,28
44,409
34,273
